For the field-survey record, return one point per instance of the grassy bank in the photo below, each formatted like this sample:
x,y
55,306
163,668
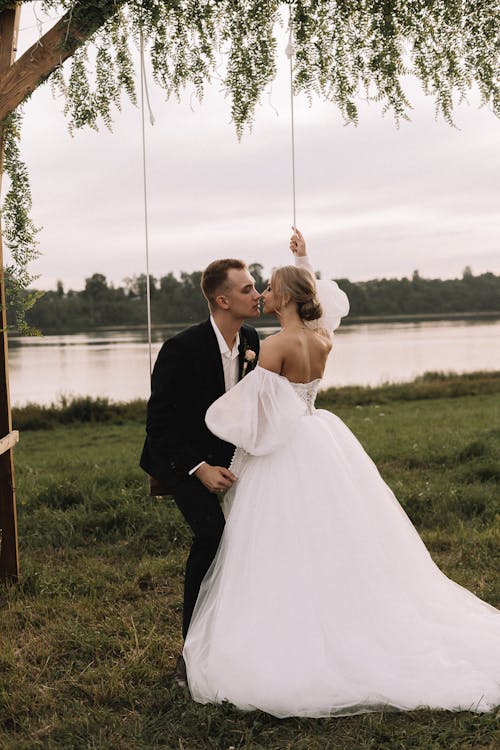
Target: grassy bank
x,y
90,636
431,385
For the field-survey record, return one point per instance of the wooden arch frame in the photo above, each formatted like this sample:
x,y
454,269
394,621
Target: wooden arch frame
x,y
9,554
18,79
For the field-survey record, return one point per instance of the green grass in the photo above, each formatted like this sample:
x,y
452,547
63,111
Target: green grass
x,y
102,410
90,635
78,411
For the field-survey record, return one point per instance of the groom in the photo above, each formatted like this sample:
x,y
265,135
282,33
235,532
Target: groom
x,y
192,370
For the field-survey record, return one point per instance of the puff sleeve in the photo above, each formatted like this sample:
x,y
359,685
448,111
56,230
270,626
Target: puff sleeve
x,y
257,414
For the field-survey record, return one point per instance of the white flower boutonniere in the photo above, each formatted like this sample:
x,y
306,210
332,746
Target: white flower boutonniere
x,y
249,359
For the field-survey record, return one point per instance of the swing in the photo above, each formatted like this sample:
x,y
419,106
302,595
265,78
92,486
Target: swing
x,y
156,489
9,441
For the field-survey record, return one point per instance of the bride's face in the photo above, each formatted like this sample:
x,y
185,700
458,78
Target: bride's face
x,y
269,301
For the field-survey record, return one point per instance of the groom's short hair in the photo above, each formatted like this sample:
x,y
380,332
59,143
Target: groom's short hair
x,y
214,279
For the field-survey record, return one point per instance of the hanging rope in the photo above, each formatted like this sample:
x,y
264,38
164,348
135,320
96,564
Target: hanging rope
x,y
290,53
145,96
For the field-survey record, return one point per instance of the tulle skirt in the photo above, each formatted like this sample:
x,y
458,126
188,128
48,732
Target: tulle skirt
x,y
323,600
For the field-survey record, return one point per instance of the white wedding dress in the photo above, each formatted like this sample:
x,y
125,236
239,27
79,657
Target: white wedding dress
x,y
322,599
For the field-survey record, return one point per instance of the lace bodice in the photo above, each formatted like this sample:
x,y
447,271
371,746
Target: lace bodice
x,y
259,412
307,392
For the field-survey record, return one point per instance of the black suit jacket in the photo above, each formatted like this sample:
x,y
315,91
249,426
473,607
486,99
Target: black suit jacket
x,y
187,377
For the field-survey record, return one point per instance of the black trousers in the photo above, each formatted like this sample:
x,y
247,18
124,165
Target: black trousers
x,y
203,513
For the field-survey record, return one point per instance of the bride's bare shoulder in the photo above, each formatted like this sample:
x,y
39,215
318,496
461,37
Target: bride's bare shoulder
x,y
273,342
272,351
325,336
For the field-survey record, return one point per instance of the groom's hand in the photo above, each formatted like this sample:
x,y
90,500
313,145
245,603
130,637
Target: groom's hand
x,y
215,478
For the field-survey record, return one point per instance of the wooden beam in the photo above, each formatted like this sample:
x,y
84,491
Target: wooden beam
x,y
51,50
9,554
9,441
9,27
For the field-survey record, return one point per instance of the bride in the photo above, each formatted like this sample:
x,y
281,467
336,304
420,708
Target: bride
x,y
322,599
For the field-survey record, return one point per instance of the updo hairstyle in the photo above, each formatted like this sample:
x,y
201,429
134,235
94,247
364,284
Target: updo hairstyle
x,y
299,285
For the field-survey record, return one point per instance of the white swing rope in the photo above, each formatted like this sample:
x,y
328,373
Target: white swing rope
x,y
145,97
290,53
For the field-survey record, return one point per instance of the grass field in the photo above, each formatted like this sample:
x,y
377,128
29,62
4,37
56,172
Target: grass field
x,y
90,635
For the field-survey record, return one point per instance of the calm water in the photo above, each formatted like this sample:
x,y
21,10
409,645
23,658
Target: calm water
x,y
115,364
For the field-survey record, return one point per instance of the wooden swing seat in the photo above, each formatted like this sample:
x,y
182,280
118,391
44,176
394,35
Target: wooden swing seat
x,y
156,489
9,441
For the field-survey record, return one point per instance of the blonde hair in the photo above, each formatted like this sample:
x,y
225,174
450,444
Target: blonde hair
x,y
299,285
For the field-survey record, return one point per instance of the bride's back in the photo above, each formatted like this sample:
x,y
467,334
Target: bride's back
x,y
304,353
298,352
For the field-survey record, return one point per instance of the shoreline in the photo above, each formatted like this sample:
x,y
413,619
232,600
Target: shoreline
x,y
272,323
102,410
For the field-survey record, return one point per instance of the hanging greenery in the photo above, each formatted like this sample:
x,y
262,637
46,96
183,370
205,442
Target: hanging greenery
x,y
18,230
345,50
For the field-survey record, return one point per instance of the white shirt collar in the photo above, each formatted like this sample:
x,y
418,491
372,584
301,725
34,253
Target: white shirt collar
x,y
224,349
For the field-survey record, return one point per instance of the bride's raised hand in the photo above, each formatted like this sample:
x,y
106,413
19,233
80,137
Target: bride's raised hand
x,y
297,243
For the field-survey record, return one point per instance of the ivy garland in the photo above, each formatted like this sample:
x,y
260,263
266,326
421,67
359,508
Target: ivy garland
x,y
18,229
344,49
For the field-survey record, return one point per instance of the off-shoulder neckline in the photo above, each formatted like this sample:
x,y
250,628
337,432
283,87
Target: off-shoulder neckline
x,y
310,382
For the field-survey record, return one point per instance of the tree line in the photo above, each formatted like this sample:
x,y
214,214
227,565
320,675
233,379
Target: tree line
x,y
178,299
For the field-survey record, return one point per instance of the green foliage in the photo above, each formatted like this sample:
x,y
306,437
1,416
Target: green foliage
x,y
80,410
420,296
431,385
19,232
99,72
248,30
344,50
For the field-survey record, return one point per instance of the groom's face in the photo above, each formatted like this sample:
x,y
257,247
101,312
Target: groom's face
x,y
242,298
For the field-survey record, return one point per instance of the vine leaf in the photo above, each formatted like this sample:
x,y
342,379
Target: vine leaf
x,y
19,232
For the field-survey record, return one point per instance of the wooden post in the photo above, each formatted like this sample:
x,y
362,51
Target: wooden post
x,y
9,555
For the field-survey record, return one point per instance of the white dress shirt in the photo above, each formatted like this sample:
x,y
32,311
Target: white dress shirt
x,y
230,365
229,356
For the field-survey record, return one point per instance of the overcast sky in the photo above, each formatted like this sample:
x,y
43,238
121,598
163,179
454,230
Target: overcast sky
x,y
372,201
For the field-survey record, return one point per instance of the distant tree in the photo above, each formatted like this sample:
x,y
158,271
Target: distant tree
x,y
96,294
179,300
96,287
256,270
168,284
137,286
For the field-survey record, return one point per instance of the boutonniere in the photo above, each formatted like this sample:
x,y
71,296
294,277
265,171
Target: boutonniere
x,y
249,357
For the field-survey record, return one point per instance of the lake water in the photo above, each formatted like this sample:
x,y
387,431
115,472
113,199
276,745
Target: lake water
x,y
115,364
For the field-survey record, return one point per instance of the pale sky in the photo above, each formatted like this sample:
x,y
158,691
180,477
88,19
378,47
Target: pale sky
x,y
372,201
